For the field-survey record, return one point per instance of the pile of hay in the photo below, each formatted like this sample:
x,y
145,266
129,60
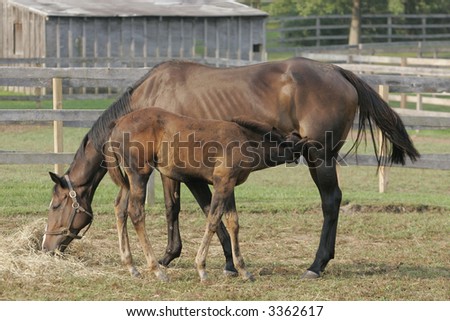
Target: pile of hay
x,y
22,256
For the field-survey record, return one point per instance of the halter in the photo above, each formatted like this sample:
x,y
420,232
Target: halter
x,y
76,207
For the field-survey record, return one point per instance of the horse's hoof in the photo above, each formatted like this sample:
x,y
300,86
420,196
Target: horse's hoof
x,y
230,274
248,277
162,276
135,273
203,276
310,275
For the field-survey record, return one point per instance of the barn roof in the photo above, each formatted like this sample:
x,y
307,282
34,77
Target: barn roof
x,y
136,8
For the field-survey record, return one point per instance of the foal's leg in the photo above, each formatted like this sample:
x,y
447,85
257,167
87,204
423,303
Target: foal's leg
x,y
324,175
203,195
120,208
138,184
222,202
232,224
171,190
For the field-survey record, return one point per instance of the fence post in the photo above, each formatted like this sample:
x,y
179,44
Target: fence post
x,y
403,96
150,199
58,124
383,173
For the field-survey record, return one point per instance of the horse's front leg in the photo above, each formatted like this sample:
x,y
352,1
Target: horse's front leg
x,y
138,184
120,208
171,190
121,211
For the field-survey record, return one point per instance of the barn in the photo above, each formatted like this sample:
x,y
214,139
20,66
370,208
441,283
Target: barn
x,y
130,33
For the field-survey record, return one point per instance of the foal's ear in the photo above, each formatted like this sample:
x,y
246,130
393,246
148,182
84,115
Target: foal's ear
x,y
56,179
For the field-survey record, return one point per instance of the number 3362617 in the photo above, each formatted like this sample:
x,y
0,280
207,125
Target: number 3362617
x,y
295,311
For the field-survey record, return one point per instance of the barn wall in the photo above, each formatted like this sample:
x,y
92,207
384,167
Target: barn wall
x,y
128,41
23,33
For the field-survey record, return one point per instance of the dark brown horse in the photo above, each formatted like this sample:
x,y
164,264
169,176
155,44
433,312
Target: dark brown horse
x,y
186,149
318,99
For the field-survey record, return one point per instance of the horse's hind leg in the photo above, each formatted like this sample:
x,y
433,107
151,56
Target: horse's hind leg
x,y
203,195
138,184
232,224
120,208
222,202
171,190
326,180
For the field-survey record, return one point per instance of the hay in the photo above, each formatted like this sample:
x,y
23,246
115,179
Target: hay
x,y
22,256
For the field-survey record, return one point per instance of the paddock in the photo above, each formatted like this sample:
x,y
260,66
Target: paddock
x,y
390,246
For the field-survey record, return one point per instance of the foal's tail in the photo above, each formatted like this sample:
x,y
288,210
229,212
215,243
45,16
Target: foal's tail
x,y
113,165
396,143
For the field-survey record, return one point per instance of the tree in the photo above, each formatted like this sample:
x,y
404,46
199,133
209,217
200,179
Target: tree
x,y
355,26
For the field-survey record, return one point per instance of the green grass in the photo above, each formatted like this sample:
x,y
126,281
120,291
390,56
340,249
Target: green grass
x,y
47,104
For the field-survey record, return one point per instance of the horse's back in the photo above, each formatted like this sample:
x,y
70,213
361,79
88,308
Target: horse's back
x,y
294,94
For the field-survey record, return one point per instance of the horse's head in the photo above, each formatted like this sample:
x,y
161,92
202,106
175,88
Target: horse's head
x,y
68,214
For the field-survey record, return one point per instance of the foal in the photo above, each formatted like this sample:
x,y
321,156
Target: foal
x,y
186,149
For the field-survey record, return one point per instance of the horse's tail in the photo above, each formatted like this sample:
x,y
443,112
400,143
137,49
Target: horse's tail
x,y
396,143
112,164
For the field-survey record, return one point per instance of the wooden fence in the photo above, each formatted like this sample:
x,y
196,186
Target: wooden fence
x,y
405,66
115,76
328,30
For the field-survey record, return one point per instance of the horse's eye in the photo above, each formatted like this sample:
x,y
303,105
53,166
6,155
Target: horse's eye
x,y
56,206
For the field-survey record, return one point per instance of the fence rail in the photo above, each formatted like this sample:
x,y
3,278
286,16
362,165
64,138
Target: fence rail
x,y
421,68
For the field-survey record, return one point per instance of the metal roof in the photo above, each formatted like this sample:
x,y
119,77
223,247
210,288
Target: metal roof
x,y
137,8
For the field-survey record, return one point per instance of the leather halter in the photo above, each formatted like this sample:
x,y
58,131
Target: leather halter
x,y
76,207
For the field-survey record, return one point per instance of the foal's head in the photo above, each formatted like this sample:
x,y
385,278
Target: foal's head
x,y
290,146
68,215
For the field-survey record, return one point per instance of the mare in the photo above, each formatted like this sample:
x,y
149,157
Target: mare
x,y
317,99
182,148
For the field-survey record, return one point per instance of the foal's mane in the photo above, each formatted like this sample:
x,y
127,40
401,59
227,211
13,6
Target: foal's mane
x,y
258,127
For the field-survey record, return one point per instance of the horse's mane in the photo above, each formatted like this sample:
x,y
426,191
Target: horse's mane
x,y
258,127
102,127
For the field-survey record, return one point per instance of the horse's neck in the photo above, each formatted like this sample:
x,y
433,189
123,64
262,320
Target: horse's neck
x,y
85,171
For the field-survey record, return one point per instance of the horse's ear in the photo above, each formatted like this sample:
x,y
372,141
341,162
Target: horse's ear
x,y
55,178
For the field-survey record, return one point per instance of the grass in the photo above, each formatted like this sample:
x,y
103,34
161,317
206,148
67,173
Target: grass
x,y
391,246
380,256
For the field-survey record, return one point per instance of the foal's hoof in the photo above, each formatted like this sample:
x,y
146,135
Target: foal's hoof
x,y
310,275
135,273
230,274
203,276
162,276
248,277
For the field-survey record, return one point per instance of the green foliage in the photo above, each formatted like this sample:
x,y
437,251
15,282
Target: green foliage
x,y
283,8
325,7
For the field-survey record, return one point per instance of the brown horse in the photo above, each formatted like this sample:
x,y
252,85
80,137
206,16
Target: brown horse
x,y
319,99
186,149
